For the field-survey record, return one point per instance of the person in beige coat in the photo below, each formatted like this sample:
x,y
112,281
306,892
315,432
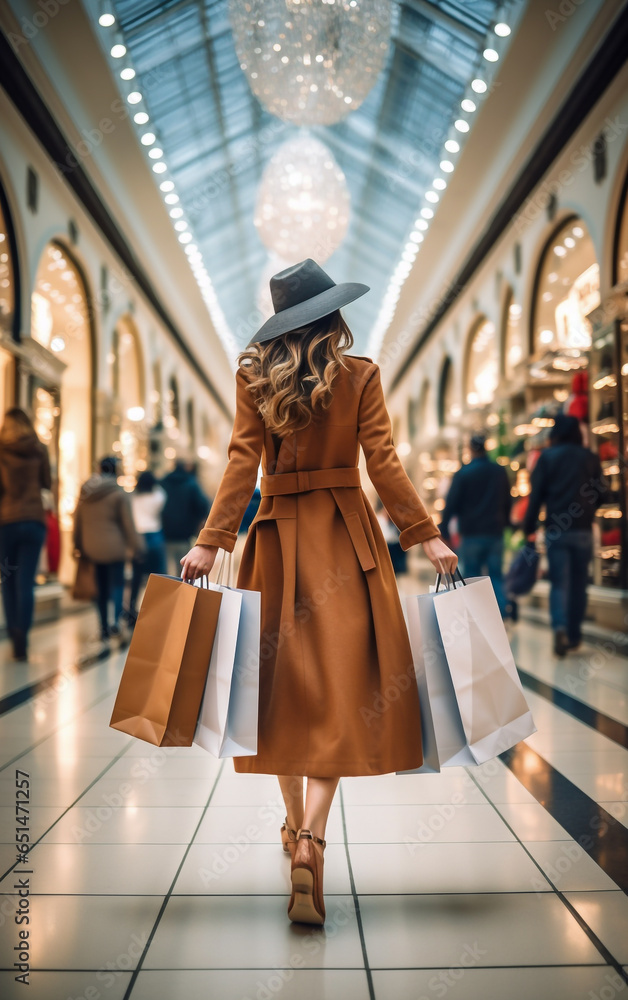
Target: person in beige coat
x,y
104,532
338,693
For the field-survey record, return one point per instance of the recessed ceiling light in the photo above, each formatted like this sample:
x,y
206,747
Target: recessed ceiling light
x,y
447,166
427,213
106,20
127,73
171,199
479,86
431,196
461,125
452,146
185,237
167,185
175,213
181,225
147,139
118,50
467,105
490,55
502,29
156,153
134,97
160,167
140,118
439,183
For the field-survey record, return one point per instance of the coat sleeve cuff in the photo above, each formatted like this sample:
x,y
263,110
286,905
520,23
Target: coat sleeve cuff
x,y
418,532
217,536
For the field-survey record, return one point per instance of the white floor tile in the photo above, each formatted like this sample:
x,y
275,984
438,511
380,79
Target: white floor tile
x,y
155,764
88,931
441,868
566,983
532,821
288,983
249,868
603,787
47,985
252,932
606,913
410,789
491,929
131,825
102,868
244,789
39,818
568,866
166,792
433,823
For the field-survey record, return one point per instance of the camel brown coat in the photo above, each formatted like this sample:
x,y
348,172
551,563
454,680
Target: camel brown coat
x,y
338,694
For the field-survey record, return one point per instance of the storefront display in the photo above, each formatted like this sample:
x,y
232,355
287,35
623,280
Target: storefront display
x,y
61,325
7,310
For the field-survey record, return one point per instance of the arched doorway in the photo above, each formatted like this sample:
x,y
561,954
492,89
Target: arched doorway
x,y
62,400
513,336
9,299
129,401
482,364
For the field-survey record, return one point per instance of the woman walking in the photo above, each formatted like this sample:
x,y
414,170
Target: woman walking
x,y
147,503
105,533
24,472
337,688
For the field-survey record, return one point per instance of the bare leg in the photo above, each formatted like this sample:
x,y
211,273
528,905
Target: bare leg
x,y
318,799
292,790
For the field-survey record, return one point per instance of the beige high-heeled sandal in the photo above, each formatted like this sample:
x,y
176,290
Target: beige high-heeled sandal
x,y
306,904
288,838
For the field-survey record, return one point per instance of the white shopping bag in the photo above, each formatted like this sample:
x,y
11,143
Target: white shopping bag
x,y
443,738
228,717
493,709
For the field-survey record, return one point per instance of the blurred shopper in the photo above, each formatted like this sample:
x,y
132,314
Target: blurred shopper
x,y
147,503
185,510
398,557
105,533
24,472
567,480
479,497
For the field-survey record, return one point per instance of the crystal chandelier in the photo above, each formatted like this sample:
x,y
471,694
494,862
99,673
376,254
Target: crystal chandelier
x,y
311,62
302,205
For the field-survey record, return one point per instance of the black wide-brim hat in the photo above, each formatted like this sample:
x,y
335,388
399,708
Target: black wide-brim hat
x,y
302,294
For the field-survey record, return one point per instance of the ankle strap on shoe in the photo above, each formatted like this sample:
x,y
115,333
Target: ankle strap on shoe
x,y
308,835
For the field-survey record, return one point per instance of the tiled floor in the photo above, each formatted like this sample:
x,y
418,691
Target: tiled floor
x,y
159,875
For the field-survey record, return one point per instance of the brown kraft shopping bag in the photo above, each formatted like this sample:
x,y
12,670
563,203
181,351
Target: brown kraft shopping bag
x,y
164,676
84,587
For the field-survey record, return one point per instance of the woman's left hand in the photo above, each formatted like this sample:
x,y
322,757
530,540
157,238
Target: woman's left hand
x,y
198,562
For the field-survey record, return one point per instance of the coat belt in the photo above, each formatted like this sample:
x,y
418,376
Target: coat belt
x,y
287,484
315,479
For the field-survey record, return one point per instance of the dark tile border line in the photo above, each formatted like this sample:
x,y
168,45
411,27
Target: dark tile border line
x,y
356,901
592,717
594,829
16,698
607,956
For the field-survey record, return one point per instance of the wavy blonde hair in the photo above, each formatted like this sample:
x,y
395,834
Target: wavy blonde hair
x,y
291,376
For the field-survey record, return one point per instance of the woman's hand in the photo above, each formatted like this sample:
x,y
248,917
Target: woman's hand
x,y
198,562
440,555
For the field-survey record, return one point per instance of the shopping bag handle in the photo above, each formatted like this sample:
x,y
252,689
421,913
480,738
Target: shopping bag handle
x,y
227,560
450,579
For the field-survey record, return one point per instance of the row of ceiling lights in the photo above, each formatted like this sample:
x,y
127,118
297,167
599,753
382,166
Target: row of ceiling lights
x,y
167,186
432,197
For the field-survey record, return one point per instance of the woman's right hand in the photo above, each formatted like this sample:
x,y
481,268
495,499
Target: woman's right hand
x,y
440,555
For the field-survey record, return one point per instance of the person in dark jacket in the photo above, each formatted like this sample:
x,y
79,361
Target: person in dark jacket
x,y
185,511
104,532
24,472
479,496
567,480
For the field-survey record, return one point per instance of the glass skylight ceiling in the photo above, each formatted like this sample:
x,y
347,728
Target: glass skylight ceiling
x,y
216,138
